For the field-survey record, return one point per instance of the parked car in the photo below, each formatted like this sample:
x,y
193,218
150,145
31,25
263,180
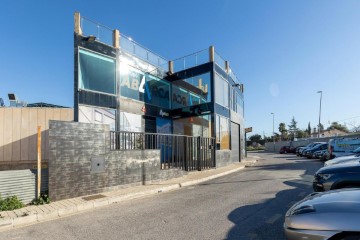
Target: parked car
x,y
336,177
310,145
309,152
341,160
324,156
328,215
297,149
319,154
286,149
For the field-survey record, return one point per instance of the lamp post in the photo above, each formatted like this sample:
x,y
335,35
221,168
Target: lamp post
x,y
273,131
319,113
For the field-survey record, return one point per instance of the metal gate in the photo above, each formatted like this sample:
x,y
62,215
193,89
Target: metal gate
x,y
176,151
235,142
22,183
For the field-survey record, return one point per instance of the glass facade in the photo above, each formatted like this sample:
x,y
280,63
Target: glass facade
x,y
221,91
97,115
96,72
191,91
193,126
222,131
140,86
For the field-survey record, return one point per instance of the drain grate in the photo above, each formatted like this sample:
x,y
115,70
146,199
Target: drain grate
x,y
93,197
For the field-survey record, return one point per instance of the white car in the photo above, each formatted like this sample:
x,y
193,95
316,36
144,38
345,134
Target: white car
x,y
342,160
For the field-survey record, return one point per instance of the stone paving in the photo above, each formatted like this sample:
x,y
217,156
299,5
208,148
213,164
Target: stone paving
x,y
37,213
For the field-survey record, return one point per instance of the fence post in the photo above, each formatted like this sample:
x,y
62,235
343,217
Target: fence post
x,y
38,162
198,150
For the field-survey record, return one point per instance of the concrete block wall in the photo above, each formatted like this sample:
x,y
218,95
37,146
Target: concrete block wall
x,y
72,145
223,158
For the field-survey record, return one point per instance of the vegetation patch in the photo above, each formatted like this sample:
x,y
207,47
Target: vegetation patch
x,y
10,203
43,199
251,148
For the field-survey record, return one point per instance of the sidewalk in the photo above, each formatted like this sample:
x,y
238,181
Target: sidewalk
x,y
33,214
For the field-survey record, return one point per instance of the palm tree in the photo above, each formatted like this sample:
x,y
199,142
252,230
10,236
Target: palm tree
x,y
282,130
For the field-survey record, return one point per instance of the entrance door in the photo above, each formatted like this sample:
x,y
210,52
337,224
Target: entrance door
x,y
235,142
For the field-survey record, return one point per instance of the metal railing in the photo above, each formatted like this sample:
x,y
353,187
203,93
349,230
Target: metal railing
x,y
130,46
192,60
102,33
176,151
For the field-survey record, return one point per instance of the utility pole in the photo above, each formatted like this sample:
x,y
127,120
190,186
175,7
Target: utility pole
x,y
273,131
319,113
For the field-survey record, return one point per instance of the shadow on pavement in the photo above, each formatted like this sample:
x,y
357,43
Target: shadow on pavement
x,y
265,220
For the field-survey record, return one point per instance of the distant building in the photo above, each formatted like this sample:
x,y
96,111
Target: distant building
x,y
329,133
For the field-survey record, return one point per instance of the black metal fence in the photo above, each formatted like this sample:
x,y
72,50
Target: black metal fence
x,y
176,151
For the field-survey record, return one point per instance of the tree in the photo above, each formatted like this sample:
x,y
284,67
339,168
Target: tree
x,y
283,131
255,138
302,134
293,127
309,129
336,125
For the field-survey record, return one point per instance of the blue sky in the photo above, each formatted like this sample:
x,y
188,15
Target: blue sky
x,y
284,51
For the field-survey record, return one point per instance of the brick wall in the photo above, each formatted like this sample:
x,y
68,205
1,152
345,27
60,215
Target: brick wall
x,y
73,145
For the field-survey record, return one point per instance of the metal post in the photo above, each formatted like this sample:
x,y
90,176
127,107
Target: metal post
x,y
38,162
198,150
273,131
319,113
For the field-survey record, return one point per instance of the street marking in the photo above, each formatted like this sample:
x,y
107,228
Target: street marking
x,y
273,218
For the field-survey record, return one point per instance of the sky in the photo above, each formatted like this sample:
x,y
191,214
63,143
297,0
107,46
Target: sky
x,y
283,51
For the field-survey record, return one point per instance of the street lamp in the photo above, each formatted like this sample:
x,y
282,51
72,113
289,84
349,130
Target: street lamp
x,y
273,131
319,113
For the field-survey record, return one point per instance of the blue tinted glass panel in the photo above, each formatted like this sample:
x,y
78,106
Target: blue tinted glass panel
x,y
221,91
202,82
137,85
96,72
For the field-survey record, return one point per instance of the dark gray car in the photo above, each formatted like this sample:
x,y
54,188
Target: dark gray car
x,y
328,215
337,176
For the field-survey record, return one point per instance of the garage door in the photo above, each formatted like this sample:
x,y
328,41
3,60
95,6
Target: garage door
x,y
235,142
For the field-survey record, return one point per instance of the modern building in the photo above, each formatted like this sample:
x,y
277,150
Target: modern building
x,y
119,82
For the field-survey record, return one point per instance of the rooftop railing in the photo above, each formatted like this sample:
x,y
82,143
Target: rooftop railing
x,y
104,34
192,60
136,49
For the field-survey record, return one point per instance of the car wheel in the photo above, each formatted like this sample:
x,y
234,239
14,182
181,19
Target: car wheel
x,y
285,152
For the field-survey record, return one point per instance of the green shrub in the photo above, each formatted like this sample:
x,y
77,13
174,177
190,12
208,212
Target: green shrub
x,y
251,148
43,199
10,203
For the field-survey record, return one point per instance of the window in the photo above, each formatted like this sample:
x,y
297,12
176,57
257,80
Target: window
x,y
202,82
137,85
222,133
239,105
96,72
221,91
184,94
193,126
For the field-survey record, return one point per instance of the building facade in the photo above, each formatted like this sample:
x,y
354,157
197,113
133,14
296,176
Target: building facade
x,y
119,82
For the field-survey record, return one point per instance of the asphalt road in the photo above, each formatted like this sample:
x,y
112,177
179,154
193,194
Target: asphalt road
x,y
249,204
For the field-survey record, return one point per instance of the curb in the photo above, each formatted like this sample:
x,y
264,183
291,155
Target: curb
x,y
8,223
